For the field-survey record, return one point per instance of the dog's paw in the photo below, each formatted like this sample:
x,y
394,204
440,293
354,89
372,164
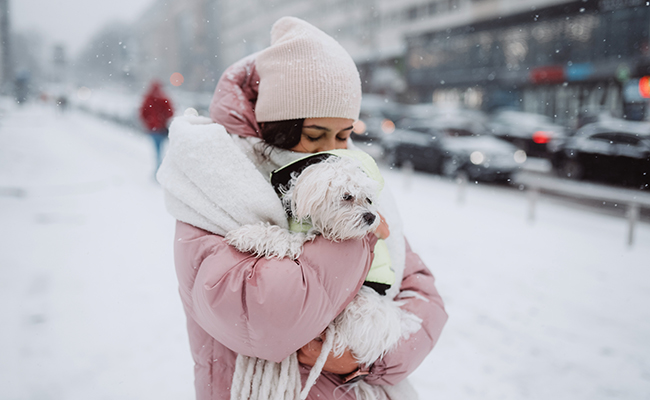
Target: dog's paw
x,y
251,239
242,238
266,240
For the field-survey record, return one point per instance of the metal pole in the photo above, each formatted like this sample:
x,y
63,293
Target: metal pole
x,y
407,170
6,62
533,195
462,180
632,217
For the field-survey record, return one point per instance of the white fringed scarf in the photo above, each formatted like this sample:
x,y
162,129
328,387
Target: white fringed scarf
x,y
218,182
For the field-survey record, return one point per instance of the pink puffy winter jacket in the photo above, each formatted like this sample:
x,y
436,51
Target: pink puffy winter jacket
x,y
236,303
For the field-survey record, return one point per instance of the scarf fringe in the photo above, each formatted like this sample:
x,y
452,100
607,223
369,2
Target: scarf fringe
x,y
257,379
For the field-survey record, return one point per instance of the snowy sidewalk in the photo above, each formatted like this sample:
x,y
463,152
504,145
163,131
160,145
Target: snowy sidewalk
x,y
88,291
89,305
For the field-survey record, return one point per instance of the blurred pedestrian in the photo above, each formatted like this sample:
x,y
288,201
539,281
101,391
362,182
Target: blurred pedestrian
x,y
62,103
155,112
21,87
252,321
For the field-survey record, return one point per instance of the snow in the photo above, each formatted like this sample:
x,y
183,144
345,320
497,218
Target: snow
x,y
88,295
555,309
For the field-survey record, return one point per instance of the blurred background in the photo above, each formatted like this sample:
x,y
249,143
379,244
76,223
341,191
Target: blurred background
x,y
515,135
531,73
563,59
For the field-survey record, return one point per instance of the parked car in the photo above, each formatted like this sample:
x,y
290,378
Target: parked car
x,y
376,119
450,147
443,116
528,131
613,150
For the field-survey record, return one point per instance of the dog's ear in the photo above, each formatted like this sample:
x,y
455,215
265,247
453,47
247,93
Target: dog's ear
x,y
310,190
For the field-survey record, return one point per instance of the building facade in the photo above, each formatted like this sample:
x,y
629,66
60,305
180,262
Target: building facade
x,y
561,60
553,57
374,32
178,36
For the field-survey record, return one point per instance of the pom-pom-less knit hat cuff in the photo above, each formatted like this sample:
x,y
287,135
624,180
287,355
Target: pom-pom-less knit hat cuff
x,y
305,73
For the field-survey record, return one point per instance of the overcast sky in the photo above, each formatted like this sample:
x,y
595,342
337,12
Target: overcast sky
x,y
72,22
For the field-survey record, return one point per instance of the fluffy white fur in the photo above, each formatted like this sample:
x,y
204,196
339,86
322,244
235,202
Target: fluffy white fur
x,y
334,196
371,325
266,240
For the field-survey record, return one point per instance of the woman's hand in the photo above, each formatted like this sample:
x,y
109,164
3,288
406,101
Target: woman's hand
x,y
382,231
343,365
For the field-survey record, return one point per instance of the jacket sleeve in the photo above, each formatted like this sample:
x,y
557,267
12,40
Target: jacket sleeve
x,y
268,308
426,304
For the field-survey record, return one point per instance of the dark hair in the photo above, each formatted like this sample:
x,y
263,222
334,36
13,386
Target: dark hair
x,y
282,134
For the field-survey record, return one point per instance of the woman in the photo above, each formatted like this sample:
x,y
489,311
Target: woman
x,y
300,95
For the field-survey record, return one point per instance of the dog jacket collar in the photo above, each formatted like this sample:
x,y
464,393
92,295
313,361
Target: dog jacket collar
x,y
281,177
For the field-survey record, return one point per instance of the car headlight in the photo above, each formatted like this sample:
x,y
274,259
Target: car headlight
x,y
359,127
387,126
477,158
520,156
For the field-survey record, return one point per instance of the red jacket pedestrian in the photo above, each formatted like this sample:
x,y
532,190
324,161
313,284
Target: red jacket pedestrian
x,y
155,112
156,108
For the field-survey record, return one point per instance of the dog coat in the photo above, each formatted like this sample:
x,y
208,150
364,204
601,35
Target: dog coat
x,y
381,275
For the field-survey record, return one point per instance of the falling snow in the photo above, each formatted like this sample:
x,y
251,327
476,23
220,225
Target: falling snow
x,y
555,309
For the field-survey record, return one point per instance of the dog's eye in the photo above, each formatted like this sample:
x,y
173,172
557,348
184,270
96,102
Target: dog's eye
x,y
348,197
368,201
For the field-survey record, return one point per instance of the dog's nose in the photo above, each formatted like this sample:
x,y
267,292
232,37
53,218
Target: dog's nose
x,y
369,218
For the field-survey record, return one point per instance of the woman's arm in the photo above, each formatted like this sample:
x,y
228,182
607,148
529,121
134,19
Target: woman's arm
x,y
428,305
267,308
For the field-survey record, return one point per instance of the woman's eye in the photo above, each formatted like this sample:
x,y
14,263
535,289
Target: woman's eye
x,y
341,139
313,139
348,197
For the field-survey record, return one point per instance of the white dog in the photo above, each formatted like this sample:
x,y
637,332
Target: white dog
x,y
334,198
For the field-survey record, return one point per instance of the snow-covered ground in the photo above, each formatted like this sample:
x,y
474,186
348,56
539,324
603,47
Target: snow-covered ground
x,y
558,309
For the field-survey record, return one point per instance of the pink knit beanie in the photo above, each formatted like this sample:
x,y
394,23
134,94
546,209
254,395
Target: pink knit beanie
x,y
305,73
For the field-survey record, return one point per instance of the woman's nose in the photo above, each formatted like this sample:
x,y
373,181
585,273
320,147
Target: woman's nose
x,y
334,144
329,144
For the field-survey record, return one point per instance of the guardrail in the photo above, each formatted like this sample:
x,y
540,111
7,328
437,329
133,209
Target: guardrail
x,y
537,183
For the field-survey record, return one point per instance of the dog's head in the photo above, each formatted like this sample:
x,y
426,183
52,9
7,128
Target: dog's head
x,y
338,197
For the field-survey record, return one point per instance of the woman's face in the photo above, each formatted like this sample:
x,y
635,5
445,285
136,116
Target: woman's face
x,y
322,134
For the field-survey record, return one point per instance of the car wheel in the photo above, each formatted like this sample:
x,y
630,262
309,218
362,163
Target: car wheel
x,y
520,143
392,158
571,169
449,167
